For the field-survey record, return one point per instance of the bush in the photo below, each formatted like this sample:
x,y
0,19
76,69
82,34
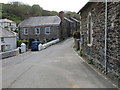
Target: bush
x,y
19,42
91,62
42,42
76,34
81,53
26,42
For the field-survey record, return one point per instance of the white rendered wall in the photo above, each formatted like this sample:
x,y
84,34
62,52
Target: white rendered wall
x,y
9,41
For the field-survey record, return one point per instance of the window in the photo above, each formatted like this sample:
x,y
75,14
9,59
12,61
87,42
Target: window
x,y
47,30
25,31
10,24
37,31
90,31
2,39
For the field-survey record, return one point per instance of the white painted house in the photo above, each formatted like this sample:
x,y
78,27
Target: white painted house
x,y
8,24
7,40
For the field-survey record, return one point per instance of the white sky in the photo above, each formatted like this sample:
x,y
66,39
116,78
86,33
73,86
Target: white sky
x,y
56,5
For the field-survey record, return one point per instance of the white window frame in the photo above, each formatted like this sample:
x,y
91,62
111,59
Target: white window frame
x,y
90,30
25,33
47,29
36,33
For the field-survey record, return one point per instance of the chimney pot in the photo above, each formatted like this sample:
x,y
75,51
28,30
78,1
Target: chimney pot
x,y
61,15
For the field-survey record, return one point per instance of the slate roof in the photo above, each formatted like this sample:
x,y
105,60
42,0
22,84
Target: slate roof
x,y
74,19
6,33
40,21
6,20
68,20
85,6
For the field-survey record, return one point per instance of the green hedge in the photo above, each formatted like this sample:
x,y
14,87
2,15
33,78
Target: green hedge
x,y
76,34
19,42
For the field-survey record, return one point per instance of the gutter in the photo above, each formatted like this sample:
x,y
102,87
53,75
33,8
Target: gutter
x,y
31,26
105,47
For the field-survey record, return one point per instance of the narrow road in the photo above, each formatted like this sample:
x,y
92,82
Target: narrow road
x,y
55,67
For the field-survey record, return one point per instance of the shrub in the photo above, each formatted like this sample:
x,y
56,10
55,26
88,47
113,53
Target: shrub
x,y
25,41
76,34
19,42
91,62
81,53
42,41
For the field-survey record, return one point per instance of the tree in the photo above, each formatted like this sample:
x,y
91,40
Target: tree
x,y
72,14
18,11
23,11
53,13
45,13
36,10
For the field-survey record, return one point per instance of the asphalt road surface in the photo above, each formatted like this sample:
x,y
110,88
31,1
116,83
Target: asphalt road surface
x,y
55,67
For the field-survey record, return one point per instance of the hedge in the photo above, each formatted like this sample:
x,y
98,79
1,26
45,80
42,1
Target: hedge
x,y
76,34
19,42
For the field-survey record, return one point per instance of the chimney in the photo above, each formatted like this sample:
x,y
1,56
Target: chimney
x,y
61,15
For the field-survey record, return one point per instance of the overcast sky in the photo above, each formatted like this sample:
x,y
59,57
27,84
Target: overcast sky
x,y
56,5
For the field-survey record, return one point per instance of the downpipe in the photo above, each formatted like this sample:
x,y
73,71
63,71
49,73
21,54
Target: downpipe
x,y
105,48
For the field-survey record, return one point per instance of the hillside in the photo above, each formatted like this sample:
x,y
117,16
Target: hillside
x,y
18,11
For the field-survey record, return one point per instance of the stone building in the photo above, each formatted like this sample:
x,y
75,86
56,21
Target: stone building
x,y
45,28
40,28
66,26
100,29
76,24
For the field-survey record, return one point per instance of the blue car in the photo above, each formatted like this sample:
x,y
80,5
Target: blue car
x,y
34,46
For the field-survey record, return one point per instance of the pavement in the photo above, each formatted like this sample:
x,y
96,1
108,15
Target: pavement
x,y
58,66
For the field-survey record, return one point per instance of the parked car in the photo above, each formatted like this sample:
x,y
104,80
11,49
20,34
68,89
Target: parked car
x,y
34,46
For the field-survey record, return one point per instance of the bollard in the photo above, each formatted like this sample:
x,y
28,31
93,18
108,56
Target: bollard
x,y
23,47
40,47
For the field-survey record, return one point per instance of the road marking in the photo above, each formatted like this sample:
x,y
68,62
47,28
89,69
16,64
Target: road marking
x,y
75,86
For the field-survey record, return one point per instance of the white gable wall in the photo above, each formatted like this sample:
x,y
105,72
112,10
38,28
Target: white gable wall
x,y
9,43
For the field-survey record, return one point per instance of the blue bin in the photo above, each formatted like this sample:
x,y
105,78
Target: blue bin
x,y
34,46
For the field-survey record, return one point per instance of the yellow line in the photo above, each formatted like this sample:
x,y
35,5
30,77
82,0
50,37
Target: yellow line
x,y
75,86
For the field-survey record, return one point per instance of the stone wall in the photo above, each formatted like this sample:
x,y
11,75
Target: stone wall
x,y
112,39
96,51
65,28
11,53
54,33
